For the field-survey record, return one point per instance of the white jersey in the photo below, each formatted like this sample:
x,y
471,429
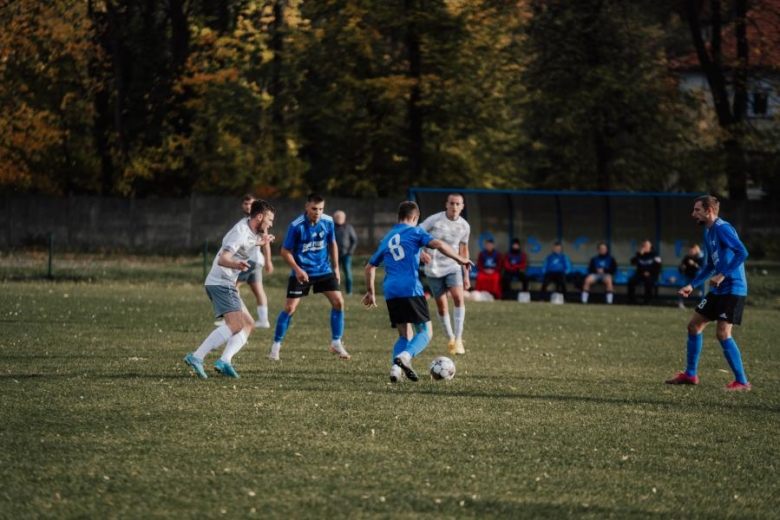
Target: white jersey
x,y
241,241
257,253
451,232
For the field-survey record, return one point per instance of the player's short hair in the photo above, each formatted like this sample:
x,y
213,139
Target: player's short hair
x,y
516,241
708,201
247,197
408,209
602,244
557,243
315,198
260,206
457,194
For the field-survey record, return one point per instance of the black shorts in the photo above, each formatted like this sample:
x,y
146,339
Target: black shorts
x,y
408,310
324,283
722,307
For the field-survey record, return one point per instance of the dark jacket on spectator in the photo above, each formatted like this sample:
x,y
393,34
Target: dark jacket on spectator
x,y
606,262
689,270
346,239
647,263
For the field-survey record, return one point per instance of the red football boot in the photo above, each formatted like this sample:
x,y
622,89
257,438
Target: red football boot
x,y
736,386
683,379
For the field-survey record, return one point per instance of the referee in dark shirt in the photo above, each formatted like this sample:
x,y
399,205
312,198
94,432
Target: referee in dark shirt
x,y
347,240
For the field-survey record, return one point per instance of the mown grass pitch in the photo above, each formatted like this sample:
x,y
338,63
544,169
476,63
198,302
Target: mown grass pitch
x,y
555,411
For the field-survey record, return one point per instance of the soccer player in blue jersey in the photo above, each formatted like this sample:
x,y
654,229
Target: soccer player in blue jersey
x,y
400,252
309,244
725,268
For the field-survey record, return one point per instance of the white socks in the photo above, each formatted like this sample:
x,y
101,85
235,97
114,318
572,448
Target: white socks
x,y
262,313
609,298
459,313
234,345
217,337
406,356
336,343
585,295
445,322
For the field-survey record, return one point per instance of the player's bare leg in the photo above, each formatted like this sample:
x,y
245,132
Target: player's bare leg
x,y
337,323
262,305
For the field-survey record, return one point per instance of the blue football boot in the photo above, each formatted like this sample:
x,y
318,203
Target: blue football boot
x,y
226,369
196,365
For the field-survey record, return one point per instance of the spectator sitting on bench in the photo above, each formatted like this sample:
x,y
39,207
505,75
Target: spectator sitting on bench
x,y
648,267
689,266
488,270
602,268
515,263
556,267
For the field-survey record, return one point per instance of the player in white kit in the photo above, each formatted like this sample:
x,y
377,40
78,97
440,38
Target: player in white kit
x,y
233,257
261,259
444,275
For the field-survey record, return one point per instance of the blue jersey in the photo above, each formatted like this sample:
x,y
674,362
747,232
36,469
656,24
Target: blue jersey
x,y
309,244
557,263
605,262
725,255
400,252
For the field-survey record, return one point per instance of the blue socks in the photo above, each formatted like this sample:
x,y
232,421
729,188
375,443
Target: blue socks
x,y
282,322
734,359
694,350
418,344
400,346
337,323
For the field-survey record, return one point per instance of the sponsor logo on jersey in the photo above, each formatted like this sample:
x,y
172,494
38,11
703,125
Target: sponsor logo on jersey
x,y
313,246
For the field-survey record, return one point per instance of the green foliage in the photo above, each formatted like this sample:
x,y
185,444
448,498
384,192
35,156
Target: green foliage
x,y
601,111
353,98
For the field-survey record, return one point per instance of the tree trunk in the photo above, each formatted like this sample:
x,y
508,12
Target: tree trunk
x,y
277,87
730,118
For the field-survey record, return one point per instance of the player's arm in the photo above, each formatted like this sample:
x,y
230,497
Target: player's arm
x,y
333,249
288,257
426,225
226,260
447,251
269,266
730,239
464,252
704,273
369,300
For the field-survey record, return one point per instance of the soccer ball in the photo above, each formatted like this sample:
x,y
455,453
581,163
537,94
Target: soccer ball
x,y
442,368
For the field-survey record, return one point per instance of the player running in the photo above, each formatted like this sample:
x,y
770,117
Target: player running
x,y
725,267
445,275
237,248
400,252
310,240
260,259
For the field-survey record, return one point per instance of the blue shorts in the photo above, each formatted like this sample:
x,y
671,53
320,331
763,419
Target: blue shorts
x,y
439,286
252,275
225,299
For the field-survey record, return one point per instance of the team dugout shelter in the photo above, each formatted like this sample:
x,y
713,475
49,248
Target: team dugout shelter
x,y
579,220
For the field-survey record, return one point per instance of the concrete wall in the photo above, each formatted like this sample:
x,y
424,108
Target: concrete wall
x,y
164,225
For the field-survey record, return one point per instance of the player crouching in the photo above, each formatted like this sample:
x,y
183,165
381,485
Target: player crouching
x,y
400,252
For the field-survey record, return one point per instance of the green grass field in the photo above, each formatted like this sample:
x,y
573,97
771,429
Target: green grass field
x,y
555,411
